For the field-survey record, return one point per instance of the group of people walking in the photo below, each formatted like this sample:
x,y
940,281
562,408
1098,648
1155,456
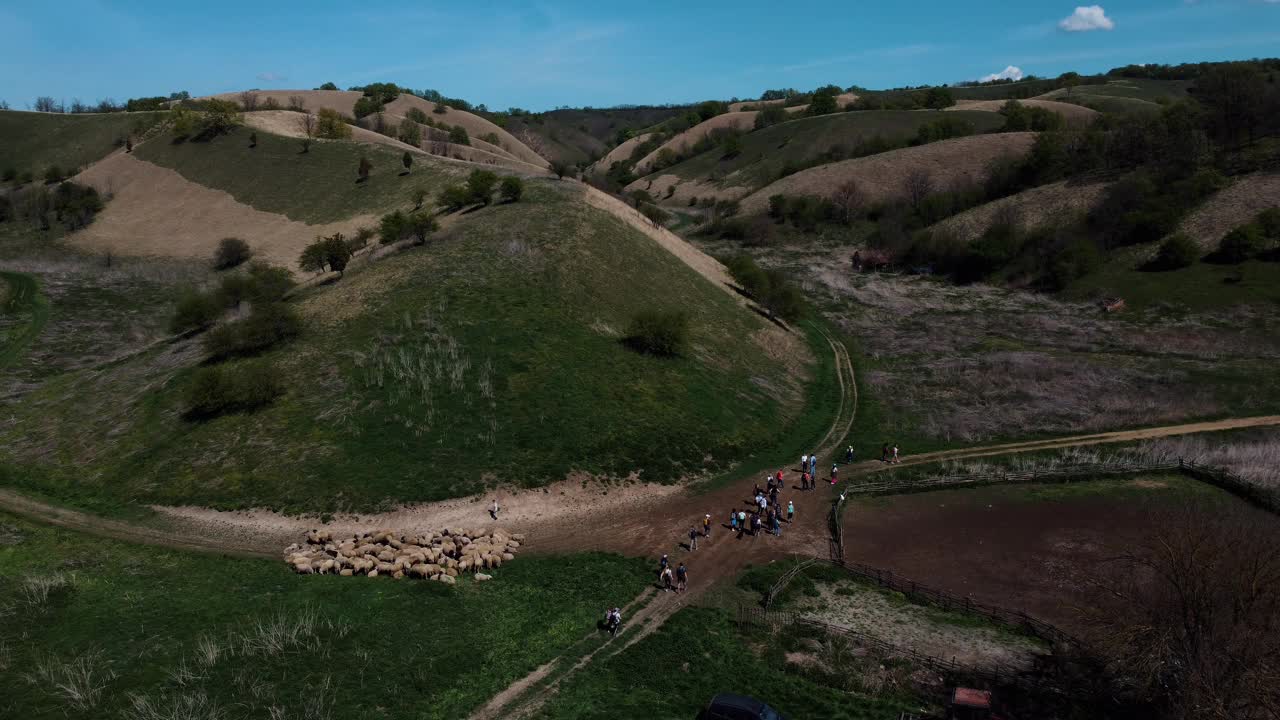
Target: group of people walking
x,y
677,580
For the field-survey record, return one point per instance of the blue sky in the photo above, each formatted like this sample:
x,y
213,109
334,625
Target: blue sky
x,y
539,55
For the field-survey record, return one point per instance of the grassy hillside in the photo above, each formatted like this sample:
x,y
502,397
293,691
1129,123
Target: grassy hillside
x,y
233,639
314,187
492,355
1124,96
581,135
1024,89
767,153
34,141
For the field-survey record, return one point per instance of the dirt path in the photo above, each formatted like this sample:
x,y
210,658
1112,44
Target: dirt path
x,y
43,512
1118,436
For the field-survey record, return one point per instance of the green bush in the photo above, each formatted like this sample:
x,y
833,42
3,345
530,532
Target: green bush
x,y
1178,251
410,133
266,325
194,309
748,275
458,135
332,252
1240,244
454,197
562,169
480,184
771,115
416,115
216,391
262,283
511,189
331,125
54,174
230,253
654,213
659,333
367,106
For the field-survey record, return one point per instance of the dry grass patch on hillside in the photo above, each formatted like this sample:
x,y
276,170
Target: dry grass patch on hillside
x,y
345,102
1056,202
154,211
1074,115
1237,205
882,177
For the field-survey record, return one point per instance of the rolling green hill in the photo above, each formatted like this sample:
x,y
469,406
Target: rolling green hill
x,y
769,153
34,141
494,354
316,187
1124,95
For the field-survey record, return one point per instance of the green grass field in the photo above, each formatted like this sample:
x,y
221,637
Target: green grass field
x,y
765,152
1201,286
35,141
316,187
243,636
699,652
494,354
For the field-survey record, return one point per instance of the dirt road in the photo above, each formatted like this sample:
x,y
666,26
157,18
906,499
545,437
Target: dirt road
x,y
1118,436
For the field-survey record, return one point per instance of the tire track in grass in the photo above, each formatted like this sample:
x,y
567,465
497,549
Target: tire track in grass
x,y
24,296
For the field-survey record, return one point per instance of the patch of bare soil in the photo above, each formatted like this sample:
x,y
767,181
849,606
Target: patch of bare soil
x,y
949,164
744,121
980,543
1234,206
1028,209
1074,115
141,220
904,625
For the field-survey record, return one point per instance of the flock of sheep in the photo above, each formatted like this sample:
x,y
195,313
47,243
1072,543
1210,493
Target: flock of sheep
x,y
438,556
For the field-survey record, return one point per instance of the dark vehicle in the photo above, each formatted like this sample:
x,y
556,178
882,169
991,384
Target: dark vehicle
x,y
727,706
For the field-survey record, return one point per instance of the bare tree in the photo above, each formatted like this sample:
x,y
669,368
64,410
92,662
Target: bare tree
x,y
849,200
307,124
44,103
249,101
918,185
296,103
78,107
533,142
4,105
1191,617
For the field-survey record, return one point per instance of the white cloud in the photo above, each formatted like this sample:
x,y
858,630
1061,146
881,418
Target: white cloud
x,y
1009,73
271,77
1087,18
